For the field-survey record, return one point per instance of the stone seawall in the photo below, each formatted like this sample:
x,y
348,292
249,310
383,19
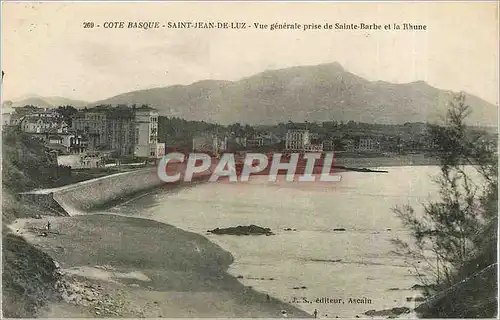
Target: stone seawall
x,y
86,196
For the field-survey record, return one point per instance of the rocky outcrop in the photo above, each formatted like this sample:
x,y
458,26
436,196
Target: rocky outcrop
x,y
243,231
394,312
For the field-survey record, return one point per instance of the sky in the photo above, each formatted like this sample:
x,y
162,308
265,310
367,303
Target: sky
x,y
47,52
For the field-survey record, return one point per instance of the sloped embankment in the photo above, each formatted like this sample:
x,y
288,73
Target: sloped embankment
x,y
29,278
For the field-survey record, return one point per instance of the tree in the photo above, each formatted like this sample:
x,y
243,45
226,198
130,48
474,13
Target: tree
x,y
457,235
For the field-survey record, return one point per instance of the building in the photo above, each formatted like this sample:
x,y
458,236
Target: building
x,y
120,132
256,141
209,142
262,139
16,118
368,144
235,142
92,123
301,141
34,123
146,134
88,160
6,118
328,145
349,144
73,143
313,148
126,132
296,140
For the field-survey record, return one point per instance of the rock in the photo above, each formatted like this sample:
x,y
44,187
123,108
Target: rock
x,y
419,287
387,312
243,230
416,299
239,277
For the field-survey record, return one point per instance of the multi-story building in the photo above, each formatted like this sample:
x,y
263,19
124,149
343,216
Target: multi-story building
x,y
92,123
146,134
301,141
367,144
328,145
296,140
38,124
120,131
127,132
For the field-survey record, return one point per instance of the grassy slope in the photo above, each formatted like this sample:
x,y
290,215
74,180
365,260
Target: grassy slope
x,y
28,273
29,278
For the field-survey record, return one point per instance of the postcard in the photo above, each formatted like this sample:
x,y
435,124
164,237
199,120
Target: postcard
x,y
250,159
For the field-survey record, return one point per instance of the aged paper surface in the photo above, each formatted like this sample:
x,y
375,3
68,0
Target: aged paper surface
x,y
249,159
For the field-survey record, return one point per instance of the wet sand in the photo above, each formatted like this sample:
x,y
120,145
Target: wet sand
x,y
116,266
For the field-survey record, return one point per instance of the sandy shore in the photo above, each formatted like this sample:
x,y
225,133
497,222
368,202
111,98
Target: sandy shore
x,y
115,266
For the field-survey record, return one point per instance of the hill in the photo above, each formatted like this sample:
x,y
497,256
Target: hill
x,y
312,93
45,102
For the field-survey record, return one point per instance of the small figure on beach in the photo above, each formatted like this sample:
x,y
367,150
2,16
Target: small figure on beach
x,y
268,297
315,313
284,314
48,225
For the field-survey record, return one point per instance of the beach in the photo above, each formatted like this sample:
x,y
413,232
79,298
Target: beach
x,y
116,266
128,260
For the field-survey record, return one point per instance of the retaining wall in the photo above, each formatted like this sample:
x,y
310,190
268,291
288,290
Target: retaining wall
x,y
92,194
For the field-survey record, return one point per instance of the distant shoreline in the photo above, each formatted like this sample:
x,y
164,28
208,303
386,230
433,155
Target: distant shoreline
x,y
387,161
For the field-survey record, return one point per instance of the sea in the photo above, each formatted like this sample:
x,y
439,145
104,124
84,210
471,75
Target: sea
x,y
333,250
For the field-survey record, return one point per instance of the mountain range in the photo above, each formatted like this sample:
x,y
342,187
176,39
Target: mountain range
x,y
305,93
44,102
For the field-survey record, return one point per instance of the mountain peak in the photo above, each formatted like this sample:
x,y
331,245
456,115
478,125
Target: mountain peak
x,y
333,65
419,83
314,92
